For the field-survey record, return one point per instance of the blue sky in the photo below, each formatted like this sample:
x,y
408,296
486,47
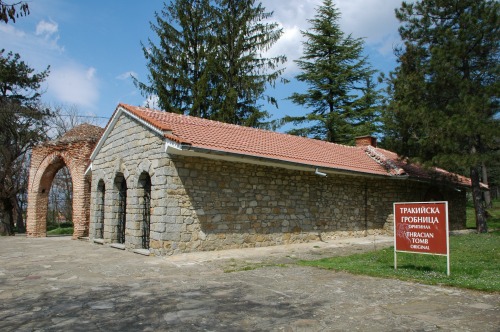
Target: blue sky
x,y
93,46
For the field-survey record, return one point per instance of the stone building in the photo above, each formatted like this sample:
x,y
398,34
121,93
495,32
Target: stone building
x,y
171,183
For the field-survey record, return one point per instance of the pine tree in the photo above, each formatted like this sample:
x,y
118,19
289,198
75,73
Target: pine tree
x,y
444,107
242,73
341,92
178,66
209,61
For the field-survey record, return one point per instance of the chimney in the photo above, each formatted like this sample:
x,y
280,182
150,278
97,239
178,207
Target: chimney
x,y
366,141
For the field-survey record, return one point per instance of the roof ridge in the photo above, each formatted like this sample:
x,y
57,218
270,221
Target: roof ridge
x,y
382,159
224,124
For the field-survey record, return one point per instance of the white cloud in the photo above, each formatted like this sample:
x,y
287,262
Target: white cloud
x,y
74,84
45,28
68,81
38,50
375,21
126,75
9,30
90,73
152,102
372,20
293,13
290,45
292,18
47,33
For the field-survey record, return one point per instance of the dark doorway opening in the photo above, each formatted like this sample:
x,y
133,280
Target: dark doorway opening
x,y
101,190
145,184
121,186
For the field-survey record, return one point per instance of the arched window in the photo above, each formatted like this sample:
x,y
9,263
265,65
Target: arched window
x,y
99,228
121,188
145,185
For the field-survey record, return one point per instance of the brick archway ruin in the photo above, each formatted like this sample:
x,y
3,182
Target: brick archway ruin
x,y
72,150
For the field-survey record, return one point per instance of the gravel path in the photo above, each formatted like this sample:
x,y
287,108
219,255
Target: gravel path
x,y
57,284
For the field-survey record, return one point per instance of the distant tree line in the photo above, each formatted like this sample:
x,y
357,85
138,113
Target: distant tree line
x,y
443,97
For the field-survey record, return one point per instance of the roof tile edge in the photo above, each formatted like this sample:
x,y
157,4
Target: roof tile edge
x,y
380,158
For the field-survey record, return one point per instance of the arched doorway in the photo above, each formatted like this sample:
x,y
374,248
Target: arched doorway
x,y
145,201
60,206
73,151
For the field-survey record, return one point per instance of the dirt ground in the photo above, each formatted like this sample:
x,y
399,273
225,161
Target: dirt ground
x,y
59,284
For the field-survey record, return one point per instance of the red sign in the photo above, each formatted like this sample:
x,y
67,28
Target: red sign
x,y
421,227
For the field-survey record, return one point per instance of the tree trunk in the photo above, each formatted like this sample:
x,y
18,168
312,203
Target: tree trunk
x,y
477,198
6,218
487,195
3,227
20,225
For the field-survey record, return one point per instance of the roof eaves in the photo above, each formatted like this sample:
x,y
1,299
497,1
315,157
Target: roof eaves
x,y
177,139
221,154
152,124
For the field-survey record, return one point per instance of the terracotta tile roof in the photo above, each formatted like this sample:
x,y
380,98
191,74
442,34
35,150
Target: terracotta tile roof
x,y
83,132
415,170
223,137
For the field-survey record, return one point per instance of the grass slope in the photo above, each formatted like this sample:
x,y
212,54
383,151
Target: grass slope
x,y
475,261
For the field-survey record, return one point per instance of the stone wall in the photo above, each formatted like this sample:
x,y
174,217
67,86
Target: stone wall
x,y
129,150
205,204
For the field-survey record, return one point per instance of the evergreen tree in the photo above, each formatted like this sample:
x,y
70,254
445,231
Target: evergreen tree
x,y
22,126
445,90
241,72
341,93
178,66
209,61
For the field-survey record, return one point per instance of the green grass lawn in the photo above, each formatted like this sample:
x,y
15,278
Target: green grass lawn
x,y
61,231
475,261
493,221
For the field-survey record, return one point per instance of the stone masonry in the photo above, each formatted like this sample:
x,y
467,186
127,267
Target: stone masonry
x,y
205,204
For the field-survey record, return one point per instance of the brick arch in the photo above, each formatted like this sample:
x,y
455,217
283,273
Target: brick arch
x,y
72,150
